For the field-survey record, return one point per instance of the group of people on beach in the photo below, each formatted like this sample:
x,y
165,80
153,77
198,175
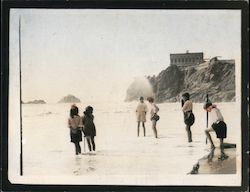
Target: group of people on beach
x,y
85,123
141,112
78,124
217,121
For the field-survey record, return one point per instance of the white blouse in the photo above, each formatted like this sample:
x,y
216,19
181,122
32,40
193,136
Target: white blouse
x,y
154,109
74,122
188,106
215,116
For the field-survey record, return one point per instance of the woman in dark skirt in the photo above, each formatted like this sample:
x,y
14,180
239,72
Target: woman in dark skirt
x,y
89,127
74,123
218,125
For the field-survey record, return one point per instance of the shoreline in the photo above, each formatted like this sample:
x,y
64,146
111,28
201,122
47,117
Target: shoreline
x,y
212,165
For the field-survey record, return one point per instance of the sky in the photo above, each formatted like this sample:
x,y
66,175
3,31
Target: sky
x,y
96,54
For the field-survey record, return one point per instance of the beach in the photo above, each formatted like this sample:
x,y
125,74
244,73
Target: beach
x,y
47,151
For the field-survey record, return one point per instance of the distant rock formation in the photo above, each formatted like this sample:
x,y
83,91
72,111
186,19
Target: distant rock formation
x,y
35,102
215,78
69,99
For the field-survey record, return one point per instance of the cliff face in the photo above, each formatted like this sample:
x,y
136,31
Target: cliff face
x,y
216,78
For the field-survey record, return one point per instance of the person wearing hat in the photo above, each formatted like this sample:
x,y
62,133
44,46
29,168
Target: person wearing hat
x,y
187,108
89,129
141,112
74,123
218,126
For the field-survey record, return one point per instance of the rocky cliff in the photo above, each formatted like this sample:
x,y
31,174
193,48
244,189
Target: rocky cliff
x,y
69,99
215,78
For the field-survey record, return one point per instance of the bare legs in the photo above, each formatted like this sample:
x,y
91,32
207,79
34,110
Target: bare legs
x,y
78,148
154,128
189,134
144,129
209,137
223,155
91,143
138,129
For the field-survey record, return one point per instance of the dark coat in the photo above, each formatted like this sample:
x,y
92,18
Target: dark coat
x,y
88,125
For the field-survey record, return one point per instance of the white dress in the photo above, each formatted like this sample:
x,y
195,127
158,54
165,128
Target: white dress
x,y
141,111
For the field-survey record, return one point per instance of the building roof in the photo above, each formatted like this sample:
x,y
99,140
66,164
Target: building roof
x,y
186,53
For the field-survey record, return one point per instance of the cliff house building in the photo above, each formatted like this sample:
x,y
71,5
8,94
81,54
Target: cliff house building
x,y
186,59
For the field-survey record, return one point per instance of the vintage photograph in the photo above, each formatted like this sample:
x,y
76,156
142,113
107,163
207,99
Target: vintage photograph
x,y
125,97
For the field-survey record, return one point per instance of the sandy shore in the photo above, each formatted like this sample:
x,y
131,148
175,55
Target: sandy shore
x,y
122,157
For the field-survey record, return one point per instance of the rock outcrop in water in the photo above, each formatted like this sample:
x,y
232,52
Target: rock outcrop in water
x,y
35,102
140,87
69,99
215,78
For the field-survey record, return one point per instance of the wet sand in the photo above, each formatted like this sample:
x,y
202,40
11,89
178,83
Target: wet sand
x,y
216,166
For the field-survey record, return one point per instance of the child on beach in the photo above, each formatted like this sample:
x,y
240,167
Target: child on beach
x,y
153,113
218,125
141,112
75,131
89,127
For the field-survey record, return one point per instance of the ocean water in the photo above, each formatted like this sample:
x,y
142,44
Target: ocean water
x,y
47,150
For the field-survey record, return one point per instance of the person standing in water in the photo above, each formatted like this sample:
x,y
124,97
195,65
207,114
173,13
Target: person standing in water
x,y
187,108
154,116
218,125
89,129
141,112
75,131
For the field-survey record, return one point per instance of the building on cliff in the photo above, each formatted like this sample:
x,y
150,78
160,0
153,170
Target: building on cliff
x,y
186,59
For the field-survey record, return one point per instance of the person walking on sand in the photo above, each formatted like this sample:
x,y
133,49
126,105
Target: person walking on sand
x,y
187,108
89,129
141,112
154,116
218,125
75,131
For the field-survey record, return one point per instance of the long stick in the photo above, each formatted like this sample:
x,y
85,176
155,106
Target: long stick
x,y
84,144
21,126
207,117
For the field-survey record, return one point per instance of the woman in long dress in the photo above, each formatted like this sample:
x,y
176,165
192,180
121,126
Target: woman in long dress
x,y
89,129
